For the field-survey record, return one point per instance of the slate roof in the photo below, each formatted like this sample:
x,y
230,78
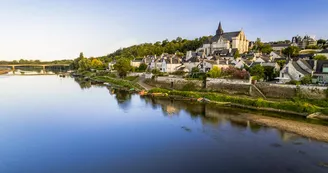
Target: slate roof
x,y
226,35
324,51
299,69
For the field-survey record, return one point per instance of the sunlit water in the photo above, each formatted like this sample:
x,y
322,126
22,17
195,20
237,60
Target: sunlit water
x,y
55,125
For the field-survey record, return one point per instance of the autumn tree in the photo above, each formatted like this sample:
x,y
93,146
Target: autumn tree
x,y
96,64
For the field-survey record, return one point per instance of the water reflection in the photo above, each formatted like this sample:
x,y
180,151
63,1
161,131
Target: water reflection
x,y
31,70
213,116
84,84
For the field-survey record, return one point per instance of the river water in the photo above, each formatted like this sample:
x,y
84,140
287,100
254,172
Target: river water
x,y
56,125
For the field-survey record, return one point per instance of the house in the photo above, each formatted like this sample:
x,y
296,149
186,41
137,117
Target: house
x,y
279,47
263,59
274,65
136,62
274,55
320,74
295,70
240,64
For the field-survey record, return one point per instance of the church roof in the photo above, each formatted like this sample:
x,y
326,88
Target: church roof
x,y
226,35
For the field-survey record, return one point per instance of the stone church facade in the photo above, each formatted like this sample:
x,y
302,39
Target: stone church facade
x,y
225,40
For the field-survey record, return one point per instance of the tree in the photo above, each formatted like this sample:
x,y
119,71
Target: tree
x,y
122,66
281,63
96,64
269,73
257,71
291,51
266,48
320,57
143,67
215,72
84,64
237,55
75,64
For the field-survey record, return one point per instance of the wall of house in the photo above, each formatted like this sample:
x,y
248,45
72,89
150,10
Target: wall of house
x,y
135,64
293,73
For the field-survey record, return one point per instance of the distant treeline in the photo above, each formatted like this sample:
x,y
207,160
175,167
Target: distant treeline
x,y
178,45
22,61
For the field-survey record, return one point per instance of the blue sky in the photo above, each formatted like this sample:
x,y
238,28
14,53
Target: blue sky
x,y
60,29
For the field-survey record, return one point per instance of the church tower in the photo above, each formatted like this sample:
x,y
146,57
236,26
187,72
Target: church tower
x,y
219,31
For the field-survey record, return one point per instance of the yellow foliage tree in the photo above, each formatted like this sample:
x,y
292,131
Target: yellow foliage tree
x,y
96,63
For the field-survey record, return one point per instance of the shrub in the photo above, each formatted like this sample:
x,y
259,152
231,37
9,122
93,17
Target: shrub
x,y
306,80
215,72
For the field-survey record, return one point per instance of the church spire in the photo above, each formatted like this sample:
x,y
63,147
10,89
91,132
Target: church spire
x,y
220,30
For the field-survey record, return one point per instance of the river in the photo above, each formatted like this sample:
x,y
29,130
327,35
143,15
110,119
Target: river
x,y
56,125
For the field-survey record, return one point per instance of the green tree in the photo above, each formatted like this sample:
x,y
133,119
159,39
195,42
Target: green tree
x,y
281,63
85,64
75,64
143,67
320,57
291,51
257,71
215,72
237,55
266,48
269,73
122,66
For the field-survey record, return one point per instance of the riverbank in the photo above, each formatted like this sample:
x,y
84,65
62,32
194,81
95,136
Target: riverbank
x,y
313,131
105,78
2,72
289,107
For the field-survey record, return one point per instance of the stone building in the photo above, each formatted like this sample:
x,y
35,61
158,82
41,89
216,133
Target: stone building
x,y
304,42
225,40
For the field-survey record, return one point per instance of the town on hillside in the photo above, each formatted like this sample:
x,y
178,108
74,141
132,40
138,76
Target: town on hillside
x,y
300,60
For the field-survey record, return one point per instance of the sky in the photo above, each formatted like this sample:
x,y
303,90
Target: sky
x,y
61,29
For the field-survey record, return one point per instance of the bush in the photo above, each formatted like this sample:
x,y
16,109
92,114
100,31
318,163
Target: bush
x,y
215,72
189,87
306,80
179,73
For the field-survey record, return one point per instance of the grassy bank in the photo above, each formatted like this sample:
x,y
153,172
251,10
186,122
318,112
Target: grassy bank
x,y
128,83
119,82
298,107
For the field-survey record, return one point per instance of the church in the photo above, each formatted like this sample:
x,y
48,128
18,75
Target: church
x,y
225,41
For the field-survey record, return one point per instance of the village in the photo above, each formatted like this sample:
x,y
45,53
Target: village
x,y
301,60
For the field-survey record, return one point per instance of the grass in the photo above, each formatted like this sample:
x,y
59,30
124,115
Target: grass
x,y
299,107
118,82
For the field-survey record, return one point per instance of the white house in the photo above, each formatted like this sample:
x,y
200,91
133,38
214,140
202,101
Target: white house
x,y
295,70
